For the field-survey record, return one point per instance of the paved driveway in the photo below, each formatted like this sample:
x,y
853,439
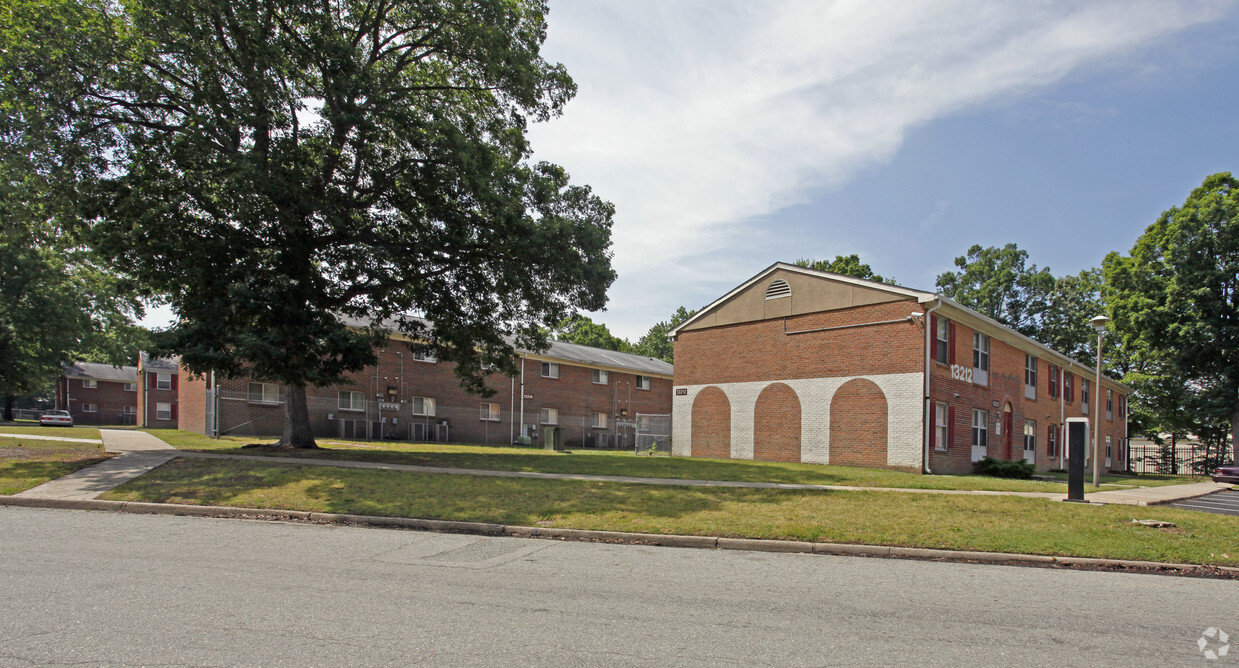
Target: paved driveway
x,y
1223,503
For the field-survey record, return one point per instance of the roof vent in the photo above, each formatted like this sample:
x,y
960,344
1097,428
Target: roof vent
x,y
778,289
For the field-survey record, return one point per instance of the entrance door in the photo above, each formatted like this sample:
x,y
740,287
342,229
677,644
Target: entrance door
x,y
1008,434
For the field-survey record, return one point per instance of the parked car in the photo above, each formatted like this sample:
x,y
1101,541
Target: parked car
x,y
1227,474
56,419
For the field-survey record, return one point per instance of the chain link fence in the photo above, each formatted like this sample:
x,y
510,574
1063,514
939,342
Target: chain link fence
x,y
653,434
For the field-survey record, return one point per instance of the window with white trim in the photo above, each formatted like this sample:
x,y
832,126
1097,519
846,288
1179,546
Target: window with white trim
x,y
1107,446
351,401
943,341
489,412
1084,392
941,428
550,370
548,416
1030,437
423,406
600,377
163,381
980,358
1053,384
131,387
163,410
131,410
980,428
1030,376
598,420
1109,404
643,382
90,383
423,356
264,393
90,408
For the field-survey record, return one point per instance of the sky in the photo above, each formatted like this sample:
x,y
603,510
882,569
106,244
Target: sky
x,y
731,135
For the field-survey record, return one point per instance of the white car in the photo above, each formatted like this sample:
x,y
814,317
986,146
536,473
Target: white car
x,y
56,419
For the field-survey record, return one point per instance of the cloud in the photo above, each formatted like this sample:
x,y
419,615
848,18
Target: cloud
x,y
695,117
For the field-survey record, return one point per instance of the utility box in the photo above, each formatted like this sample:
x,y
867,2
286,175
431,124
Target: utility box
x,y
552,439
1077,449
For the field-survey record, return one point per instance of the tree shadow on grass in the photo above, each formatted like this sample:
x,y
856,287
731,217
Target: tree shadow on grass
x,y
23,475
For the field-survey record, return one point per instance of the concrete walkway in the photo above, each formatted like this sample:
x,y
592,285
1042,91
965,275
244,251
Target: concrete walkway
x,y
137,453
40,437
1151,496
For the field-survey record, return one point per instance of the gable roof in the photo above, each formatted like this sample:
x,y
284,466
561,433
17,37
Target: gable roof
x,y
159,364
96,371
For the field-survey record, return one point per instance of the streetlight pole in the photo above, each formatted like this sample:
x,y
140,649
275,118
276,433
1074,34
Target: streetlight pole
x,y
1099,324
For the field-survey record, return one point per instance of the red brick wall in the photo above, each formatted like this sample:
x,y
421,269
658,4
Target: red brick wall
x,y
858,429
150,396
711,424
109,397
191,402
776,425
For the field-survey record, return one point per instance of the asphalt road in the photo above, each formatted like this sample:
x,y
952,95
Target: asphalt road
x,y
1221,503
117,589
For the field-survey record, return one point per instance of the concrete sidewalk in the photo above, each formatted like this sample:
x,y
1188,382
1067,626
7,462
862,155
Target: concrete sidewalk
x,y
1152,496
137,453
40,437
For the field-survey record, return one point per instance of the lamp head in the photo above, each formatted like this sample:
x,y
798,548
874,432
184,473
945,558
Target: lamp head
x,y
1099,323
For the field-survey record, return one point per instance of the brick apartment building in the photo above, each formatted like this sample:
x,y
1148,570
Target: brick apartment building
x,y
807,366
157,391
591,396
98,393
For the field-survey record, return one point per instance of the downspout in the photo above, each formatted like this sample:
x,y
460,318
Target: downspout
x,y
512,411
522,395
925,420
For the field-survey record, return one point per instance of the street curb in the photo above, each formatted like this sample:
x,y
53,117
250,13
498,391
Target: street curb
x,y
624,537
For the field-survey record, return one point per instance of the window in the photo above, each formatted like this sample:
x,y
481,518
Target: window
x,y
643,382
131,387
1030,377
131,410
600,377
1069,391
1053,381
423,356
163,381
598,420
490,412
90,383
1110,404
352,401
941,432
1030,438
980,358
550,370
980,428
424,406
942,340
778,289
1107,447
163,411
90,408
1051,441
264,393
548,416
1084,396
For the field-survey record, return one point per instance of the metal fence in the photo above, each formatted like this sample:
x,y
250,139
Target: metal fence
x,y
653,434
1188,458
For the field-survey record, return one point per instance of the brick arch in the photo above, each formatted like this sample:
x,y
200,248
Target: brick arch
x,y
858,425
776,424
711,430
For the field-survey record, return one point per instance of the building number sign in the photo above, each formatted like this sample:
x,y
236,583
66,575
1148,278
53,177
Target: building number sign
x,y
961,373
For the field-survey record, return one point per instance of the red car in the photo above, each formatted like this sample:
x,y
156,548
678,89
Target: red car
x,y
56,419
1227,474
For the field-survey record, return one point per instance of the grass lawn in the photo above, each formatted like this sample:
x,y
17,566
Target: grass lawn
x,y
1144,480
617,463
36,430
1001,524
26,463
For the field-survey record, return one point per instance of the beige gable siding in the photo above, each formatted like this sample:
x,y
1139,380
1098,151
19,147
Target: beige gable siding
x,y
810,294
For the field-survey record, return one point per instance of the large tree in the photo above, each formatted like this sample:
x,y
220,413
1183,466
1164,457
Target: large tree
x,y
655,343
581,329
848,265
1000,283
275,167
1176,296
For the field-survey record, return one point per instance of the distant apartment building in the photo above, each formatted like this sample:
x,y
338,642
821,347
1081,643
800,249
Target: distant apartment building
x,y
158,389
98,394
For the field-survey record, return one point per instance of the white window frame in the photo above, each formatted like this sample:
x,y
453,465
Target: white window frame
x,y
598,420
163,381
347,400
131,410
942,344
1030,436
644,382
550,369
601,377
1030,376
942,430
488,412
90,408
423,356
268,394
980,358
131,387
548,416
427,409
163,410
90,383
1085,395
1109,404
980,428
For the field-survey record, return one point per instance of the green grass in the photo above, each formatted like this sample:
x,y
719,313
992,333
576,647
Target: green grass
x,y
614,463
26,463
1144,480
35,429
1001,524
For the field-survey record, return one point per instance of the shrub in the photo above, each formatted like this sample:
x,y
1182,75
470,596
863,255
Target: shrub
x,y
1001,468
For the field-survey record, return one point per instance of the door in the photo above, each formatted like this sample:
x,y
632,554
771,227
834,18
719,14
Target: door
x,y
1008,434
1030,441
1107,453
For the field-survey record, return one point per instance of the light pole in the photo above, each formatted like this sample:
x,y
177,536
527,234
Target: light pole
x,y
1099,324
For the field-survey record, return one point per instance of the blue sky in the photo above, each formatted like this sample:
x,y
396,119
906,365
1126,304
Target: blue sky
x,y
731,135
734,135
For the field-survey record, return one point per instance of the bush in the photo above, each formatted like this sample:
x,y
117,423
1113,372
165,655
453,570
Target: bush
x,y
1001,468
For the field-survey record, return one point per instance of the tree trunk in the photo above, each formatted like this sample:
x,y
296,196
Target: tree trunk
x,y
8,408
297,419
1234,435
1174,454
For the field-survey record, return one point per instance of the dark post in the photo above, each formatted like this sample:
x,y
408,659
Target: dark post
x,y
1077,445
